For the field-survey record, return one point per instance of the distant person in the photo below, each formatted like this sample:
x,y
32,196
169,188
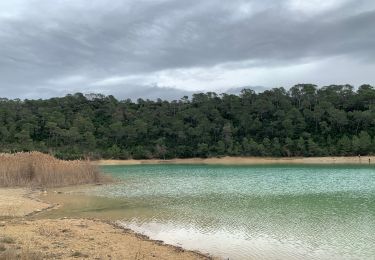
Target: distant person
x,y
369,160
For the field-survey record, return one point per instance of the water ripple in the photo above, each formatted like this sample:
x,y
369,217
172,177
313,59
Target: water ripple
x,y
253,212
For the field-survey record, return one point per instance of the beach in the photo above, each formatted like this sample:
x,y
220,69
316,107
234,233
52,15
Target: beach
x,y
24,238
365,160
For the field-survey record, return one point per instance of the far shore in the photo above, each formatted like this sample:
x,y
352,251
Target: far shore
x,y
364,160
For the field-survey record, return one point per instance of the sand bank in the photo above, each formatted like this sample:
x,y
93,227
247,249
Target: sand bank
x,y
19,202
22,238
248,161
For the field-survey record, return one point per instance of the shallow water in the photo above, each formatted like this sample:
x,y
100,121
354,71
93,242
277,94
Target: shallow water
x,y
244,212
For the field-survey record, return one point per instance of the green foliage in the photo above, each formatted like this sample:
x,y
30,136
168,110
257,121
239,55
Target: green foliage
x,y
304,121
344,145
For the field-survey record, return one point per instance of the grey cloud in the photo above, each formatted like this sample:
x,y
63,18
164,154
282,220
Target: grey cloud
x,y
168,93
238,90
149,92
97,39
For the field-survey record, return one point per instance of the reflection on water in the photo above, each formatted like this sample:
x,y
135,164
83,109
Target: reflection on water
x,y
242,212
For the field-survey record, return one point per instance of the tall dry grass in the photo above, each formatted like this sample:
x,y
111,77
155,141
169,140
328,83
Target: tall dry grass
x,y
43,170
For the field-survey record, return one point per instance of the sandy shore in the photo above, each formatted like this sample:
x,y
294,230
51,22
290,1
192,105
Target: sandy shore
x,y
248,161
19,202
21,238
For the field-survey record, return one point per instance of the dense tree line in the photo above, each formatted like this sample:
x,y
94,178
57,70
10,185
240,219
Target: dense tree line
x,y
304,121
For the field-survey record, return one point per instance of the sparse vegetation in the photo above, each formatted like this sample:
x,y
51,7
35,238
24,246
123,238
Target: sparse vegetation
x,y
79,254
43,170
12,254
6,240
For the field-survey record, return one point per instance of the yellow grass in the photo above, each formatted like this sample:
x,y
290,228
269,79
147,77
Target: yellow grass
x,y
43,170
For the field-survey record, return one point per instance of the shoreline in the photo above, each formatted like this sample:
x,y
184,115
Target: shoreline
x,y
71,238
355,160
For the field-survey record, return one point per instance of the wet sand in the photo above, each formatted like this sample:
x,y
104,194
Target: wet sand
x,y
27,238
248,161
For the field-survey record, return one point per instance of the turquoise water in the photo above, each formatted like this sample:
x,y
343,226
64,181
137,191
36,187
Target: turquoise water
x,y
252,212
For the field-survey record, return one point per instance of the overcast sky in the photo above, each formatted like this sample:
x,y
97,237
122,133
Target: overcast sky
x,y
168,48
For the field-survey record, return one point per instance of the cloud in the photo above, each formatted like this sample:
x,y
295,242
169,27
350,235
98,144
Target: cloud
x,y
148,92
64,46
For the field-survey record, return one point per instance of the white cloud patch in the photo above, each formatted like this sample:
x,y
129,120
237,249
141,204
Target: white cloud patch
x,y
312,7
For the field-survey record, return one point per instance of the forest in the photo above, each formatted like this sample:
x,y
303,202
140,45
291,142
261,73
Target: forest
x,y
335,120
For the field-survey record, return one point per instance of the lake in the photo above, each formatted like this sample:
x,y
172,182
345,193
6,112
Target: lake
x,y
245,212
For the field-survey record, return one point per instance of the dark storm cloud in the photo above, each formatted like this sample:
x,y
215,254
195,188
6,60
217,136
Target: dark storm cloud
x,y
55,47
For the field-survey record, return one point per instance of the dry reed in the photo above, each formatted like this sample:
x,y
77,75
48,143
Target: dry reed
x,y
42,170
